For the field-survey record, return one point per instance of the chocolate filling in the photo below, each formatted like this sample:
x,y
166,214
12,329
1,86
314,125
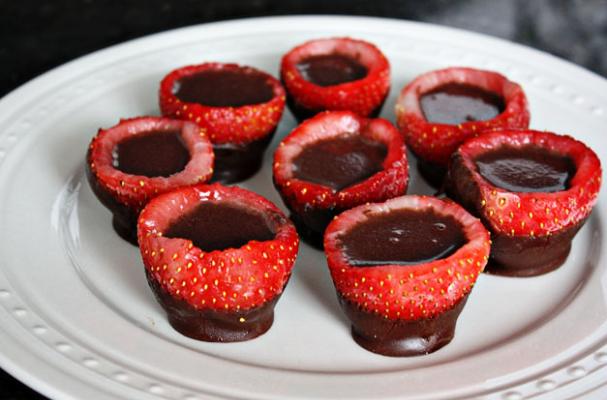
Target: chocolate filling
x,y
340,162
154,153
402,237
526,169
455,103
224,88
220,225
331,69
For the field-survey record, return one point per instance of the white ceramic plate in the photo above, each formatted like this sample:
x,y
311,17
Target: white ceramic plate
x,y
77,319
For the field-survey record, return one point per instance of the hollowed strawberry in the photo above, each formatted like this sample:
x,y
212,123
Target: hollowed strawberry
x,y
217,259
335,74
238,107
403,270
335,161
463,102
533,190
138,159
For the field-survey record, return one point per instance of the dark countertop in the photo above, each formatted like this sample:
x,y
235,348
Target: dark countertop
x,y
38,36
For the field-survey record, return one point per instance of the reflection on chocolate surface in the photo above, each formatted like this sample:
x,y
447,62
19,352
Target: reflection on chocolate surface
x,y
331,69
526,169
224,88
455,103
220,225
402,237
340,162
214,325
398,338
155,153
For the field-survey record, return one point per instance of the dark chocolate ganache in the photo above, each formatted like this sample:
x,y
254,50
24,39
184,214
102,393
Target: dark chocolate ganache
x,y
224,88
331,69
220,225
340,162
455,103
402,237
155,153
527,169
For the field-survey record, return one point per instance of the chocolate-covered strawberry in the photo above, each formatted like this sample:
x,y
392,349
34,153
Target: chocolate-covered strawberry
x,y
533,190
238,107
217,259
335,161
403,270
335,74
441,109
138,159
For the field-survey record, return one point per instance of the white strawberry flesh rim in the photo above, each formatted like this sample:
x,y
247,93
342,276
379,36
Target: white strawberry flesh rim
x,y
199,168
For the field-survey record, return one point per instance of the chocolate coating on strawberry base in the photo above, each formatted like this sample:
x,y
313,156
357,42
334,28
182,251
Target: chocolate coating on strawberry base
x,y
235,162
214,325
401,338
530,256
124,218
312,222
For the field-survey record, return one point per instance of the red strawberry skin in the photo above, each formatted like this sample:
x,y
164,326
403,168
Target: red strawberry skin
x,y
401,310
364,96
125,194
240,135
231,285
531,232
434,143
314,205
